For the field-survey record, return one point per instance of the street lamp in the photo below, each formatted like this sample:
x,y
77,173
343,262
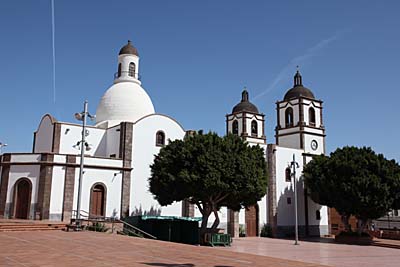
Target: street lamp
x,y
1,146
83,145
295,166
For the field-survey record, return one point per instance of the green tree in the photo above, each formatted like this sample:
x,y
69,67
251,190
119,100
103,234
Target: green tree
x,y
211,172
354,181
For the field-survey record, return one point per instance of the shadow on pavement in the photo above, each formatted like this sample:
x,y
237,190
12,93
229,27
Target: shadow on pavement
x,y
168,264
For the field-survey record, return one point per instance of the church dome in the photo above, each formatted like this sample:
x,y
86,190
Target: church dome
x,y
123,101
128,49
245,105
298,89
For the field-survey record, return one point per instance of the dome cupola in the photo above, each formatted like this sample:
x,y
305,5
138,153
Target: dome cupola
x,y
245,105
298,89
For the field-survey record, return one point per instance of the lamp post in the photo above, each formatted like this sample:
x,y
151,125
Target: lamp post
x,y
81,117
1,147
294,166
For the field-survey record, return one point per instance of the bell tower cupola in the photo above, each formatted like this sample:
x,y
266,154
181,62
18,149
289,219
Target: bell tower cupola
x,y
128,65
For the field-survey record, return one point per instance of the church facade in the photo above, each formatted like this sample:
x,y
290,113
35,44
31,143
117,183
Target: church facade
x,y
120,147
299,135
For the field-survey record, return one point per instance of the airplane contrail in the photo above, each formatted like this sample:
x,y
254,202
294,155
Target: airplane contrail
x,y
53,26
299,59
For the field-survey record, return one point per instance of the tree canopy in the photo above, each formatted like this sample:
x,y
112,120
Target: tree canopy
x,y
211,172
354,181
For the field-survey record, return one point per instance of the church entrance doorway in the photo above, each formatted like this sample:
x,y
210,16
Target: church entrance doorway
x,y
22,198
252,220
97,201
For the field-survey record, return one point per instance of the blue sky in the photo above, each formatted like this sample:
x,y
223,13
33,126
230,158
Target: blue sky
x,y
196,57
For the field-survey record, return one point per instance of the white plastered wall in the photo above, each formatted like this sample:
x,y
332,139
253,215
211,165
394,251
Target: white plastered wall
x,y
144,150
285,190
57,193
44,135
111,179
72,134
112,141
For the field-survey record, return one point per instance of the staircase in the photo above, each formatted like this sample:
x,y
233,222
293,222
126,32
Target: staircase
x,y
26,225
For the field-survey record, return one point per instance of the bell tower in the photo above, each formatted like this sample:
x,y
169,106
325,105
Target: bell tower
x,y
300,124
246,121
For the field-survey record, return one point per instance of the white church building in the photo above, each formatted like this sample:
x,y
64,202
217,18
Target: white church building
x,y
127,134
43,184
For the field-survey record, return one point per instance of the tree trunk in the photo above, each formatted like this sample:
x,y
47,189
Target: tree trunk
x,y
216,221
345,220
204,220
361,223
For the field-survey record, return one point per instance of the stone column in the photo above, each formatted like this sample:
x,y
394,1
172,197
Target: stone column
x,y
44,190
272,201
233,223
126,155
5,173
69,185
187,209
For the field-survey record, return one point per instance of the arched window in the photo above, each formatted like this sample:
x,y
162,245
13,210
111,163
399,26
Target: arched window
x,y
119,70
254,128
317,215
160,138
235,127
311,116
288,175
132,69
289,117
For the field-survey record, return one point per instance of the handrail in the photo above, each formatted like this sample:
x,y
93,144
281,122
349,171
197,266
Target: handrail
x,y
95,218
136,229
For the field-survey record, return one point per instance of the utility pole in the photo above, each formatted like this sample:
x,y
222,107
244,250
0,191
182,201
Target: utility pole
x,y
294,166
83,146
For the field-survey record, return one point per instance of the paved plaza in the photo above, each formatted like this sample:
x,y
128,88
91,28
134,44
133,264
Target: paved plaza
x,y
57,248
315,251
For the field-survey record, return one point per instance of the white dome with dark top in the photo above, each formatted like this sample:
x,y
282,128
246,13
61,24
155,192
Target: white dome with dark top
x,y
124,101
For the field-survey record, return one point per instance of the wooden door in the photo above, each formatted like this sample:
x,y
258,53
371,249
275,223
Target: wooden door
x,y
23,193
251,218
97,201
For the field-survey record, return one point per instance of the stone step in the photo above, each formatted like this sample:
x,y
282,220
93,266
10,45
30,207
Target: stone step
x,y
29,229
5,227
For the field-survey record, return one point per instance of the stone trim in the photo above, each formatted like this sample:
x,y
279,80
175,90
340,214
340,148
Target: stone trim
x,y
187,209
55,147
34,142
69,186
44,188
233,223
5,175
306,132
126,154
303,97
244,125
272,201
47,163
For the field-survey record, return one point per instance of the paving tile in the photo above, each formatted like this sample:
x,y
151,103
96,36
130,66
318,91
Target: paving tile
x,y
56,248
